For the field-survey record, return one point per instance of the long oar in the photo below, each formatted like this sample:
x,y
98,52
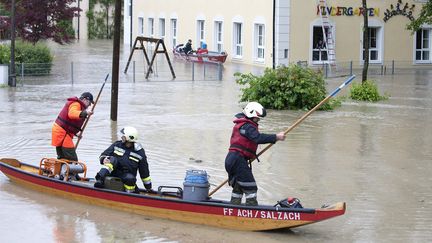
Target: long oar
x,y
92,109
297,123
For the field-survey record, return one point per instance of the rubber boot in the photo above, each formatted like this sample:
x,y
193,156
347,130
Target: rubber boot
x,y
99,184
236,200
251,201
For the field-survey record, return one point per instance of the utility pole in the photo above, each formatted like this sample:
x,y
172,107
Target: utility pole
x,y
116,61
12,76
79,17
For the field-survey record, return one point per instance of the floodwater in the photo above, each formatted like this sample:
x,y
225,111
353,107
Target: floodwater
x,y
374,156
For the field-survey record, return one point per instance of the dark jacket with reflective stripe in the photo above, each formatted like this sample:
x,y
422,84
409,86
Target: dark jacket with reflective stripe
x,y
70,125
128,160
246,137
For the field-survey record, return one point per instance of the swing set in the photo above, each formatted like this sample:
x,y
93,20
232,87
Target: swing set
x,y
159,42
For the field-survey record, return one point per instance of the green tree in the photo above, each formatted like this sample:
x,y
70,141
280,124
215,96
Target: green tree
x,y
425,17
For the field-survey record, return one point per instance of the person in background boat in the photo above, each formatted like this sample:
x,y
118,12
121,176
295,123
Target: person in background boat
x,y
187,49
202,51
243,146
123,159
68,124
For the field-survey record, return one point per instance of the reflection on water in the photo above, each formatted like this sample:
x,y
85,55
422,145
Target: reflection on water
x,y
376,157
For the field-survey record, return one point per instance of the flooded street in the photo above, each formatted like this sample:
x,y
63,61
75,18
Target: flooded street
x,y
374,156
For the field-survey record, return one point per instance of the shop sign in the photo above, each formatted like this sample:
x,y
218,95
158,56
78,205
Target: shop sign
x,y
346,11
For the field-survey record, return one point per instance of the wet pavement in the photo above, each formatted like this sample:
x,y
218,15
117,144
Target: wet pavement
x,y
374,156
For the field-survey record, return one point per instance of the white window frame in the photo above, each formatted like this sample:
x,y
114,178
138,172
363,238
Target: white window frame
x,y
151,27
141,26
426,41
238,40
162,31
200,32
319,52
218,36
174,32
259,42
379,27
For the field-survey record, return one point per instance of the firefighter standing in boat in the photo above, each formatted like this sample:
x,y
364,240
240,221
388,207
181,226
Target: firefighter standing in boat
x,y
122,159
243,145
68,124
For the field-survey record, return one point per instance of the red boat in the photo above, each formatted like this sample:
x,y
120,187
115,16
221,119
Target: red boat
x,y
209,57
60,178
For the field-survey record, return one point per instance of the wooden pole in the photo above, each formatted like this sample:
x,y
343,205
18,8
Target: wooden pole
x,y
92,109
296,124
116,61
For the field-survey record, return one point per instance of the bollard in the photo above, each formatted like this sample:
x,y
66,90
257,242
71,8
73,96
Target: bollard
x,y
22,71
220,72
385,70
393,67
72,76
133,71
204,72
382,69
326,70
351,68
193,71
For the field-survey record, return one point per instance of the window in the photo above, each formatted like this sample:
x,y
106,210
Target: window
x,y
319,49
422,52
259,42
140,26
162,28
151,27
174,32
218,36
238,42
374,45
200,32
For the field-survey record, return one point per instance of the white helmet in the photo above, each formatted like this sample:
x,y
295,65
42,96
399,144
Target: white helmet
x,y
130,134
254,109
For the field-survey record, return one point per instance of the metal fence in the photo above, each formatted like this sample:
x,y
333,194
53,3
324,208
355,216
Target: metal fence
x,y
87,72
79,72
392,67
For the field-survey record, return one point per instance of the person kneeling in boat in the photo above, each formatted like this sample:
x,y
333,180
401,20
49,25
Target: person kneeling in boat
x,y
68,124
122,159
187,49
243,145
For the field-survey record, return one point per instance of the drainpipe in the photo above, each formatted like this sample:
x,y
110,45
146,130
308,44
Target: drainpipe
x,y
274,34
131,13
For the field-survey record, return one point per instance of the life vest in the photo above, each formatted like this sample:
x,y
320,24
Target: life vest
x,y
70,125
240,143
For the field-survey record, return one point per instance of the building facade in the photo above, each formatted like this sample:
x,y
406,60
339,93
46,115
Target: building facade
x,y
278,32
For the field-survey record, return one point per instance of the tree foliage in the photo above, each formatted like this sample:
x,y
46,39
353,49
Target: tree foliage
x,y
425,17
292,87
41,19
99,26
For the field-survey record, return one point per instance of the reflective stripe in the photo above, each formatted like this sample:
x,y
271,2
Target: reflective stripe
x,y
129,187
134,159
139,157
147,180
246,183
119,151
236,195
109,167
252,195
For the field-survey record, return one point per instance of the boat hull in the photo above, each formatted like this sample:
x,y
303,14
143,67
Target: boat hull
x,y
206,213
